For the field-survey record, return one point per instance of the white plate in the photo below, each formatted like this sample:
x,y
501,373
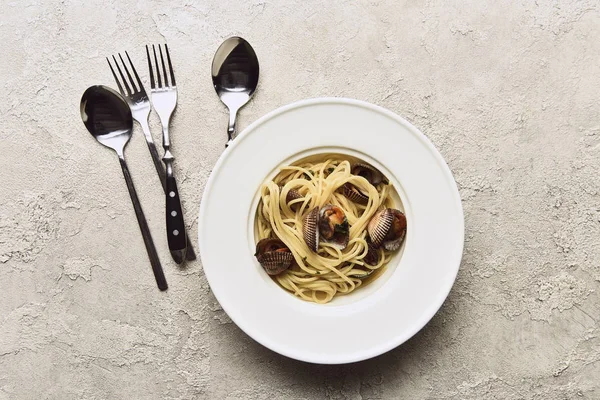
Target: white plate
x,y
373,319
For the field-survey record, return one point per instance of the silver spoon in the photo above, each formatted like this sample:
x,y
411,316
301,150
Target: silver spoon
x,y
107,117
235,77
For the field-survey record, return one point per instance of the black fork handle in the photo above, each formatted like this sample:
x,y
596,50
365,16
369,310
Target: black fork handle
x,y
175,225
190,255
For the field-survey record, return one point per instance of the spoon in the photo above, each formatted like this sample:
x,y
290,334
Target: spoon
x,y
107,117
235,77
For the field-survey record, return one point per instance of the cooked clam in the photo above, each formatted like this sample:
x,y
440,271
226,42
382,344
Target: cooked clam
x,y
370,174
333,226
293,194
372,257
328,223
310,229
354,194
274,256
387,228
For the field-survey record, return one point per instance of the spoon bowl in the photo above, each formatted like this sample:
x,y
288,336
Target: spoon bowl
x,y
235,74
107,117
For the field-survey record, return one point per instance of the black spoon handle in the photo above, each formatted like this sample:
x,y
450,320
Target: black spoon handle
x,y
159,275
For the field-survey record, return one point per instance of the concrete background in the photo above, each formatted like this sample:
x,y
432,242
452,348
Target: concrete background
x,y
508,91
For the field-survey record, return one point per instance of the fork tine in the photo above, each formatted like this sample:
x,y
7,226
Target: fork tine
x,y
115,75
157,69
137,77
133,88
150,68
162,60
122,76
170,66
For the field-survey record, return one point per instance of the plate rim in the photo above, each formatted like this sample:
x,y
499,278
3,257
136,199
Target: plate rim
x,y
434,307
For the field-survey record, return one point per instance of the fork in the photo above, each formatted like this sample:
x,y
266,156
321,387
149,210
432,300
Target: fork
x,y
164,101
140,109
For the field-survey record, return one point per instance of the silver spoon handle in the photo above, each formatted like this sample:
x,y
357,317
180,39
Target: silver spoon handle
x,y
231,127
159,275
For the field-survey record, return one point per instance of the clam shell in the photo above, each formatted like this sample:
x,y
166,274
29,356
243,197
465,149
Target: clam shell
x,y
273,255
372,257
339,240
310,229
293,194
268,245
379,226
373,175
379,229
355,195
394,244
275,262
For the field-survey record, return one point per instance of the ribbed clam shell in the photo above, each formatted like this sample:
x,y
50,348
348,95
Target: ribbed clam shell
x,y
379,226
353,194
393,245
310,229
275,262
376,176
293,194
372,257
379,229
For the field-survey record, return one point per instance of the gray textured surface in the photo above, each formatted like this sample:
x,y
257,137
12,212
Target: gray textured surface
x,y
508,91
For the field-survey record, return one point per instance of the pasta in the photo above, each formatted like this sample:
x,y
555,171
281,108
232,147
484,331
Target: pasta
x,y
334,269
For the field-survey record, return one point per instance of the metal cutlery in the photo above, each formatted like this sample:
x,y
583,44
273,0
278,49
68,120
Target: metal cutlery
x,y
235,73
137,99
108,118
164,100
